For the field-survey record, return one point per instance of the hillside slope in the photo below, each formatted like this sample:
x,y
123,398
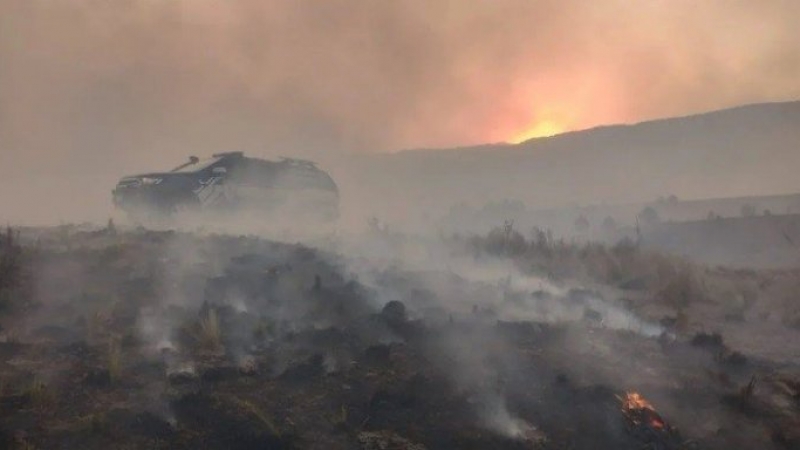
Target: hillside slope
x,y
748,150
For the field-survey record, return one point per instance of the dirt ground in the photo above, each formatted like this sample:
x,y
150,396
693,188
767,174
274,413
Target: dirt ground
x,y
131,339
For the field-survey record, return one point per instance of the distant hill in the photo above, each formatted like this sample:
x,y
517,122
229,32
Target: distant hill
x,y
742,151
754,242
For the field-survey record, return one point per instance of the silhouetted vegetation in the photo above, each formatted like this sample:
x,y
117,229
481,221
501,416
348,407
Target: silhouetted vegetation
x,y
672,280
11,269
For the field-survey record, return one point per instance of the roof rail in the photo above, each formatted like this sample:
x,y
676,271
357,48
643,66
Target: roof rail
x,y
299,162
223,154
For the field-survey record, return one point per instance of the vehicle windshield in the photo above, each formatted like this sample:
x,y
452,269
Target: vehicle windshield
x,y
200,165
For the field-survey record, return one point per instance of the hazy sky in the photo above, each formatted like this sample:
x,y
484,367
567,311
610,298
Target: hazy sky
x,y
123,83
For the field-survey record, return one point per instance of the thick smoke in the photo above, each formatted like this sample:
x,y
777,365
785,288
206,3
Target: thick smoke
x,y
93,89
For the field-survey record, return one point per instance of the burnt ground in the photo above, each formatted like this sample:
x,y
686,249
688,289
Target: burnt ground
x,y
150,340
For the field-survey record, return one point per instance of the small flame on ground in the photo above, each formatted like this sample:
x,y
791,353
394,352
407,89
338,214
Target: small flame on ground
x,y
639,411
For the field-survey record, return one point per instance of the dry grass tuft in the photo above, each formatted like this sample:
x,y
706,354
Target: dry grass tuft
x,y
39,395
97,324
255,411
339,419
93,423
209,334
114,360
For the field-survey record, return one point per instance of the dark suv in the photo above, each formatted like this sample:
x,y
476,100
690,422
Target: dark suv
x,y
231,182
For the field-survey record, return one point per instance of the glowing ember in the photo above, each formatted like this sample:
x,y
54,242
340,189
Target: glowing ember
x,y
640,412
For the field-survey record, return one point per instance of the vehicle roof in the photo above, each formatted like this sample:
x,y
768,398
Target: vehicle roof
x,y
289,172
200,165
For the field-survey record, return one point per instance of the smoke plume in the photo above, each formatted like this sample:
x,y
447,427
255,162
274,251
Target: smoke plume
x,y
93,89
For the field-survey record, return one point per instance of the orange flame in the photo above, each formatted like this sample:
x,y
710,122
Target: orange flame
x,y
634,400
637,409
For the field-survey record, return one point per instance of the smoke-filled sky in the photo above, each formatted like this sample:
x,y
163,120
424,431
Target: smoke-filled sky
x,y
120,84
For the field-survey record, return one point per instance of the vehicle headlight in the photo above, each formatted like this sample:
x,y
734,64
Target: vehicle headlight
x,y
146,181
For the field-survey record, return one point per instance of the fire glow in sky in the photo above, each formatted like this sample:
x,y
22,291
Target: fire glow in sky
x,y
356,76
544,128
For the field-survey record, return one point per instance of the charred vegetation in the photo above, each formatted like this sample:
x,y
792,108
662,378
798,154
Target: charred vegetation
x,y
144,339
